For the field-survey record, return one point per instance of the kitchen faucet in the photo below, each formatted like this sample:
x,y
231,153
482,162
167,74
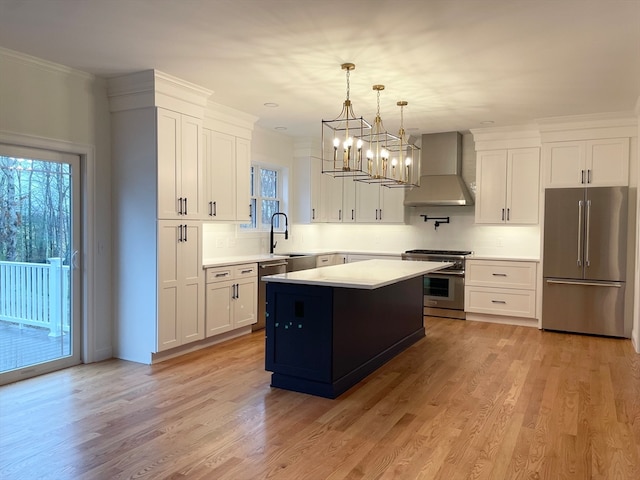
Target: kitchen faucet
x,y
272,244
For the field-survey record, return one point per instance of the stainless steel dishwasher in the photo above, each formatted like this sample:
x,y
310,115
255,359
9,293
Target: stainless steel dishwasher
x,y
270,267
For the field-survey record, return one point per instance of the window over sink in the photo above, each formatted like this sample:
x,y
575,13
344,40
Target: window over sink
x,y
266,197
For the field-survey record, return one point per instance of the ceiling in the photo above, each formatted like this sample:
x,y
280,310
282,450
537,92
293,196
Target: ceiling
x,y
459,63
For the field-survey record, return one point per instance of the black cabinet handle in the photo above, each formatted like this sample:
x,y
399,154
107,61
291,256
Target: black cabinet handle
x,y
503,214
581,176
185,233
313,214
179,205
185,206
215,209
508,214
179,233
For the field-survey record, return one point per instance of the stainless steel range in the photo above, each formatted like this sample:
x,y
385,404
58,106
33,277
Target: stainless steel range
x,y
443,289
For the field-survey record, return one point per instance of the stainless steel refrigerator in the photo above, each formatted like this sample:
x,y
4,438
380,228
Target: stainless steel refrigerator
x,y
584,266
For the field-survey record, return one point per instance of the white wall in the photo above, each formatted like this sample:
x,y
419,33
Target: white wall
x,y
44,104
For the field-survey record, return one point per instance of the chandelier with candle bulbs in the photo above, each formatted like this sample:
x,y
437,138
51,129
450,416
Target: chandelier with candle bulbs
x,y
343,139
352,147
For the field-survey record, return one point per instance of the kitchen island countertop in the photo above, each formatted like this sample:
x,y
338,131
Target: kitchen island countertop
x,y
368,274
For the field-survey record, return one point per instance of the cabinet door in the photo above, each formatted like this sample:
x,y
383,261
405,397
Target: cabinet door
x,y
523,185
244,305
316,189
564,164
368,202
491,174
391,205
191,299
218,308
243,180
168,332
607,162
191,174
169,152
349,210
332,198
221,202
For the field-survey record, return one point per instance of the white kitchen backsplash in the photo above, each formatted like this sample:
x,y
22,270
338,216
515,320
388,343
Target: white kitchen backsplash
x,y
460,234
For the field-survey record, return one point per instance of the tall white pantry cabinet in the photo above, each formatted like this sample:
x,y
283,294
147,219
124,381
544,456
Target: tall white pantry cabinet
x,y
159,202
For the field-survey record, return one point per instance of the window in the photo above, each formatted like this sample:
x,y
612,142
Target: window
x,y
266,197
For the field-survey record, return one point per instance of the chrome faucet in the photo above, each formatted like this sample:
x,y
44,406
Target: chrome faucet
x,y
272,244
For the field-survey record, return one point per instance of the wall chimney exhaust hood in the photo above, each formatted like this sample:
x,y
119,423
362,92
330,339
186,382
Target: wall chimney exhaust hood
x,y
441,181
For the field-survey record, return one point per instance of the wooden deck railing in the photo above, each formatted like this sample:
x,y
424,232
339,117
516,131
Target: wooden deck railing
x,y
36,294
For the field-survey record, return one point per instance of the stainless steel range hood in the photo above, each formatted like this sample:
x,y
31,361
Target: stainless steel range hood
x,y
441,182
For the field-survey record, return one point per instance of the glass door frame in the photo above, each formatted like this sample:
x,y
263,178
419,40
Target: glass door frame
x,y
75,263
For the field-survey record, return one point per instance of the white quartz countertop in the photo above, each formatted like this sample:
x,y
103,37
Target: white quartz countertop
x,y
368,274
503,257
237,260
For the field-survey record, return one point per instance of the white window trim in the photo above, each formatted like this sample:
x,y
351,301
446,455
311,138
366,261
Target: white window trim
x,y
282,198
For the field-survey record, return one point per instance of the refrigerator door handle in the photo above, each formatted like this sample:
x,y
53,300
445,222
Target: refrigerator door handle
x,y
580,205
588,284
587,234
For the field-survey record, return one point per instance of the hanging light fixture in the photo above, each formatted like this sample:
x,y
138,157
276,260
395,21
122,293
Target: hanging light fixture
x,y
379,141
343,139
405,158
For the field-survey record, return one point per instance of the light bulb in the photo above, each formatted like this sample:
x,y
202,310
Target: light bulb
x,y
336,142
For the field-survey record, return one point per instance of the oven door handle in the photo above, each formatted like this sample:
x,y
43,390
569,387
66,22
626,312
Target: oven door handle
x,y
449,273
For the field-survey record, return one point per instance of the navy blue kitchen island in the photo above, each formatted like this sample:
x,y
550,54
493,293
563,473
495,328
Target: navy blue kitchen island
x,y
330,327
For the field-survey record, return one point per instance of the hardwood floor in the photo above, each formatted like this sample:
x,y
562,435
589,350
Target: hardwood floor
x,y
470,401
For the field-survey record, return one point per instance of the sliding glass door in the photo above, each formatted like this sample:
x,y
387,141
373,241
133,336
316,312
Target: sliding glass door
x,y
39,262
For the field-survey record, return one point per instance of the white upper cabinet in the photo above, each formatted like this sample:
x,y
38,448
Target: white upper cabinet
x,y
508,186
227,166
589,163
315,189
179,165
338,199
378,204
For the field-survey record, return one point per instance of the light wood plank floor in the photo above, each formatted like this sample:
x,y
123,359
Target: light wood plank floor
x,y
470,401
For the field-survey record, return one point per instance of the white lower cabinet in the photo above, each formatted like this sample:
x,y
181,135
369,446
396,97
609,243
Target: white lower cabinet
x,y
180,284
231,296
328,259
500,287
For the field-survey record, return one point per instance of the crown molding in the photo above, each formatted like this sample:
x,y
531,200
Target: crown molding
x,y
498,138
153,88
228,120
44,64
